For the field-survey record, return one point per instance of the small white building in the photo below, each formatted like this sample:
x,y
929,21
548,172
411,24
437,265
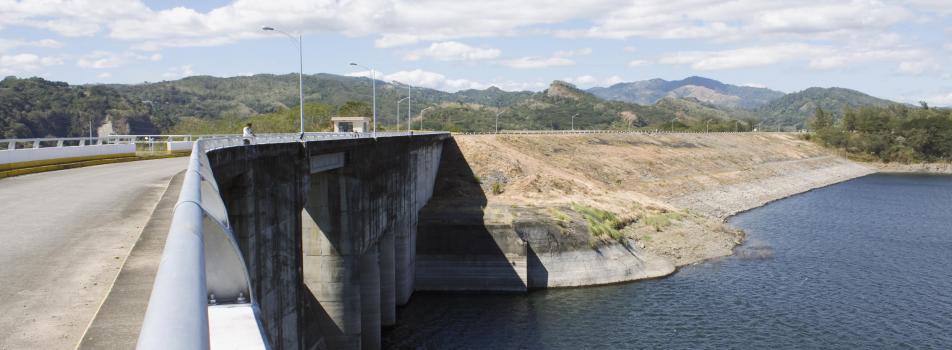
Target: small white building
x,y
350,124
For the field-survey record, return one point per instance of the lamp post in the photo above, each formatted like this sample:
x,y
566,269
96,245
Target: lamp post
x,y
398,110
497,121
573,121
373,87
672,123
707,126
736,125
408,108
421,116
300,46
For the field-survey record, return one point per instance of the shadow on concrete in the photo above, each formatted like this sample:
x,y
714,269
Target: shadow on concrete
x,y
456,250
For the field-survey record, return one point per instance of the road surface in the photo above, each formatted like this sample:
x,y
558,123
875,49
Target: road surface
x,y
63,238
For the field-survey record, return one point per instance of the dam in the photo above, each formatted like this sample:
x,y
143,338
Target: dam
x,y
314,241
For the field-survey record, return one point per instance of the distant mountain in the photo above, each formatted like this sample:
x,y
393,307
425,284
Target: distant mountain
x,y
796,108
648,92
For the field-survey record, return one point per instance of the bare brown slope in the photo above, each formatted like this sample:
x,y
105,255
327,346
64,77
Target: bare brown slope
x,y
669,191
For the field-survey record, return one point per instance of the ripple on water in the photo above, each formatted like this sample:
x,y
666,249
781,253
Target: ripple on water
x,y
862,264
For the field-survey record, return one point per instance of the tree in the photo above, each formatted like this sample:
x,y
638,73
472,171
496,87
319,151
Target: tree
x,y
821,120
355,109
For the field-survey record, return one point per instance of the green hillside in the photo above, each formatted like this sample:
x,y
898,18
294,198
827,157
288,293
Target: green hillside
x,y
36,107
794,109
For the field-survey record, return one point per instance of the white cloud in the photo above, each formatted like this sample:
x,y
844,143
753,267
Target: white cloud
x,y
630,49
572,53
537,62
178,72
940,100
104,75
422,78
637,63
909,61
755,85
586,81
9,44
26,62
108,59
918,67
452,51
433,80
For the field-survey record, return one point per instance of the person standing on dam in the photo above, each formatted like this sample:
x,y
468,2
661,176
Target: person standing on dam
x,y
248,134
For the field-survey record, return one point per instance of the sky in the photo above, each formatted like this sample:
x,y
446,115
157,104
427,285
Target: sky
x,y
899,50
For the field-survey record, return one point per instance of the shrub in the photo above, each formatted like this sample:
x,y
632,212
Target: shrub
x,y
497,188
661,220
600,222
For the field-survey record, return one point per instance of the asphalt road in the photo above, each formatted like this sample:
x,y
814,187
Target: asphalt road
x,y
63,238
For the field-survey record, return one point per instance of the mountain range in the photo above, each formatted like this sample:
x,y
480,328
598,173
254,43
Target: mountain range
x,y
655,103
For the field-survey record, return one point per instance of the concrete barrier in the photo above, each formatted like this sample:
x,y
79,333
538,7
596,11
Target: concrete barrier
x,y
39,154
179,146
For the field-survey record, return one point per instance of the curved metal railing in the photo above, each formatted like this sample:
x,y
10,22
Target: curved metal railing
x,y
202,282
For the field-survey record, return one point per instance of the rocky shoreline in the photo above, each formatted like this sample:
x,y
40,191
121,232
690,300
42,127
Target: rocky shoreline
x,y
668,198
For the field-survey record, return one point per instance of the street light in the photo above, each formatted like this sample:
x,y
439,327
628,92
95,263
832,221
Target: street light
x,y
398,110
373,87
737,126
421,116
497,121
573,121
707,126
300,46
672,123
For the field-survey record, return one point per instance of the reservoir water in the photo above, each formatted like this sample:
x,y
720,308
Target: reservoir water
x,y
862,264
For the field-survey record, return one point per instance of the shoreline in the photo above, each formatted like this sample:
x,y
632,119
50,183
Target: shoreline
x,y
669,196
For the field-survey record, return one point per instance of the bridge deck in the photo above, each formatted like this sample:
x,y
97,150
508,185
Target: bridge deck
x,y
63,237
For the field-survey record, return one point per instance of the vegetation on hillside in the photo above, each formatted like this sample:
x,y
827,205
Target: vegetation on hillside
x,y
794,109
36,107
896,133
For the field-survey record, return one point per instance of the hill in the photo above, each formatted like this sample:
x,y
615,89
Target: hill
x,y
795,108
553,108
36,107
648,92
214,97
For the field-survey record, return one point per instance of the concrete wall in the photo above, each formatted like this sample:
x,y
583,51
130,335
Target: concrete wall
x,y
177,146
46,153
327,229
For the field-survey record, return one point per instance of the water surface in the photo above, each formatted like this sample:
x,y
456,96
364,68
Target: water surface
x,y
862,264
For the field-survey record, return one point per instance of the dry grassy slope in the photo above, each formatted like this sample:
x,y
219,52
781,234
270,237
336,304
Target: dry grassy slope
x,y
704,177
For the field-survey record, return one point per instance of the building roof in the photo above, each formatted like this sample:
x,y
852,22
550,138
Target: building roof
x,y
350,119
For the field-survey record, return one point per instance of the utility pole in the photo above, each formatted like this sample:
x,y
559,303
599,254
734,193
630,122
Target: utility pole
x,y
497,121
373,88
573,121
300,46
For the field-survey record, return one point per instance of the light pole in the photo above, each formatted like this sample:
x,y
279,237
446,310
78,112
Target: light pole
x,y
421,116
300,45
373,87
398,110
736,125
573,121
497,121
707,126
672,123
408,108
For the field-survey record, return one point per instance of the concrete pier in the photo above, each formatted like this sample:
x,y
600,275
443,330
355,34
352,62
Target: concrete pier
x,y
328,230
370,299
388,296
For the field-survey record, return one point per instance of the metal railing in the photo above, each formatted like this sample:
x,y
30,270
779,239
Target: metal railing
x,y
201,268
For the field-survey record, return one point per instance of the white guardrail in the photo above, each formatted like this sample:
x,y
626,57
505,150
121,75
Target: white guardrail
x,y
202,296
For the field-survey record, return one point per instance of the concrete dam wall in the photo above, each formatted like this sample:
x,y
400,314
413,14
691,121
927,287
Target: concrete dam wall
x,y
327,229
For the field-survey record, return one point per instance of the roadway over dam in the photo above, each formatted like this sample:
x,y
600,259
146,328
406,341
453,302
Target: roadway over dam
x,y
64,235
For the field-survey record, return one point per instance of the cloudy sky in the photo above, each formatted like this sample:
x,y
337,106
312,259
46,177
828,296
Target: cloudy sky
x,y
900,50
